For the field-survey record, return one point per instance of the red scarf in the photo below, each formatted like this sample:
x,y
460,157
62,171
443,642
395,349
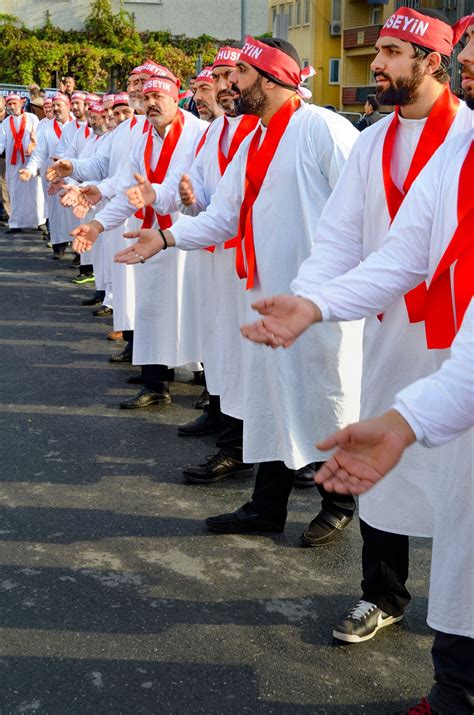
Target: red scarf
x,y
455,272
201,141
157,175
58,130
87,131
246,125
433,135
258,162
18,139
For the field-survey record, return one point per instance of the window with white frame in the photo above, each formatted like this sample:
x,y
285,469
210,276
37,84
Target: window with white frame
x,y
336,11
306,10
290,14
297,13
334,70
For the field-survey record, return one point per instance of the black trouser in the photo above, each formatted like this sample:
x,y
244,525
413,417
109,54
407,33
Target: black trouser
x,y
86,269
128,337
231,430
384,569
60,247
273,485
154,376
453,660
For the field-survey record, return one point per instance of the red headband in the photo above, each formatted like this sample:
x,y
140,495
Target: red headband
x,y
93,98
47,100
153,70
411,26
60,97
227,57
121,98
276,63
162,86
108,97
79,95
97,107
13,97
205,75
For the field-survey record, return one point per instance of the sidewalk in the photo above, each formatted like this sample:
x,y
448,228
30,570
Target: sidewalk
x,y
114,596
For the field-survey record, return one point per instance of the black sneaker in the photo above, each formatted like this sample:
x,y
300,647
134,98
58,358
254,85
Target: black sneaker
x,y
216,468
363,622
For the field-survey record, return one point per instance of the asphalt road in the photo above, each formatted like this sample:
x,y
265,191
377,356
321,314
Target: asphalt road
x,y
114,596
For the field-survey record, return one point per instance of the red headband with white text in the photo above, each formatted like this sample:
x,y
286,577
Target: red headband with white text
x,y
411,26
277,64
226,57
205,75
161,86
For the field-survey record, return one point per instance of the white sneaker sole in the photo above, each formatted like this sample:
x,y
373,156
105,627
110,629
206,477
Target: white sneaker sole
x,y
348,638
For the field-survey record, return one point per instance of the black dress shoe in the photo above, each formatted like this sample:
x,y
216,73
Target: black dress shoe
x,y
304,477
203,400
124,356
14,230
58,254
217,467
243,521
102,312
147,397
324,528
99,296
203,425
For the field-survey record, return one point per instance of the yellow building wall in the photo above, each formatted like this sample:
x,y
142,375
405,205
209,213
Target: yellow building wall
x,y
313,43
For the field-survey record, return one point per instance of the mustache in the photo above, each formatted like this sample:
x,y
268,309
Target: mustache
x,y
382,75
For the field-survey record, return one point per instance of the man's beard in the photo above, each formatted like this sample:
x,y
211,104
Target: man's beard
x,y
136,103
252,100
403,90
469,98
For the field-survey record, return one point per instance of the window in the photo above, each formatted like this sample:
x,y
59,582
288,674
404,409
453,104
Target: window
x,y
334,70
297,13
274,14
377,15
290,14
336,11
306,12
282,9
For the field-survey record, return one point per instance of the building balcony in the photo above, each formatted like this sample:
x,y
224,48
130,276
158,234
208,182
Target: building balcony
x,y
355,37
356,95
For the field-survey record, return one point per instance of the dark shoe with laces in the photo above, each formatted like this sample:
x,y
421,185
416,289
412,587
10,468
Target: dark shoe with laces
x,y
147,397
216,468
98,297
363,622
244,521
102,312
203,425
124,356
324,528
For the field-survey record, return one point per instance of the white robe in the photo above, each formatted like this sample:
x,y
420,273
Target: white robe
x,y
394,353
26,198
61,220
287,398
73,139
219,283
415,244
165,330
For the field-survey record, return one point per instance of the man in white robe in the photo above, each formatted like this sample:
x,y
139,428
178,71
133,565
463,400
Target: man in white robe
x,y
164,331
430,238
61,221
18,140
394,348
284,397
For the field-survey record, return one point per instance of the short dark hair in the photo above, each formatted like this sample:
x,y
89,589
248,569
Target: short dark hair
x,y
420,52
372,100
283,46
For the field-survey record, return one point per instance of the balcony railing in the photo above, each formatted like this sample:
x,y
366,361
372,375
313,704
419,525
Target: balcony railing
x,y
361,36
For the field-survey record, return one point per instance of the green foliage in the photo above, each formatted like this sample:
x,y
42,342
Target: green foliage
x,y
109,42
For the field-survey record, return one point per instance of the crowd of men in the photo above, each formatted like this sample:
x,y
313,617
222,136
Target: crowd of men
x,y
189,224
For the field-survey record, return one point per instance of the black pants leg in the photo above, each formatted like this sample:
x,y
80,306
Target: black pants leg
x,y
273,485
230,437
453,660
213,408
385,569
154,376
337,503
